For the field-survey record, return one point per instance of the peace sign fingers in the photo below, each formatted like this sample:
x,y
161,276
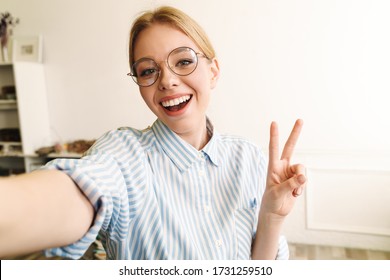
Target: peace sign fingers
x,y
288,147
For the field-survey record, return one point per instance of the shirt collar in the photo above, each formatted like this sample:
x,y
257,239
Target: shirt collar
x,y
211,148
180,152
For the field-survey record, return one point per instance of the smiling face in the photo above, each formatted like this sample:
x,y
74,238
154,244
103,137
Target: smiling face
x,y
180,102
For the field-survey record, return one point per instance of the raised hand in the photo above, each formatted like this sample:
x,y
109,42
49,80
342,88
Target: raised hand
x,y
284,181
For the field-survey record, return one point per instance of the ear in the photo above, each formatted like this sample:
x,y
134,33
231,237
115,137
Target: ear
x,y
214,67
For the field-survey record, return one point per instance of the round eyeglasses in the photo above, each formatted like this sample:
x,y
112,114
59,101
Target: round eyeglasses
x,y
181,61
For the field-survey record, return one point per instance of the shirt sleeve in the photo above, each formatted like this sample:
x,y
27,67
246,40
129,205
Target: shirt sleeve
x,y
283,251
100,177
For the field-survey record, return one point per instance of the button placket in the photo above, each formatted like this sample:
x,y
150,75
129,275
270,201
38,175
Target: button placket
x,y
202,170
203,184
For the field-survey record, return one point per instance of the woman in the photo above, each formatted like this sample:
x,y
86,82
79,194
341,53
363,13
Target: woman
x,y
176,190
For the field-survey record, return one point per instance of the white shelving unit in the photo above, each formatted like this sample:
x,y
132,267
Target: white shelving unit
x,y
8,104
29,113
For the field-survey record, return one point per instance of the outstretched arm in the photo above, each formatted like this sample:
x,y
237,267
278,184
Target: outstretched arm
x,y
40,210
285,182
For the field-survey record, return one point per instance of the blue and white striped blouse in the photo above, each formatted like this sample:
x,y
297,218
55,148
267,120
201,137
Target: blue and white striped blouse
x,y
157,197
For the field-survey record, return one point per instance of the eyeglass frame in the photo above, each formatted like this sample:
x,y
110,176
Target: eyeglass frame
x,y
134,75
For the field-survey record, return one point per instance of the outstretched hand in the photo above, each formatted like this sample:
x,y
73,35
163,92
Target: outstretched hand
x,y
285,182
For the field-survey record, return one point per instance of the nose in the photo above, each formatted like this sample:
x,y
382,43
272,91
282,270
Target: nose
x,y
167,79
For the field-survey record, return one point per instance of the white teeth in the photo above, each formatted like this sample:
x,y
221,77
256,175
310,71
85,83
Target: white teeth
x,y
176,101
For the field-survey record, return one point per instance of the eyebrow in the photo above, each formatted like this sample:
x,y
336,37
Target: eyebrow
x,y
186,47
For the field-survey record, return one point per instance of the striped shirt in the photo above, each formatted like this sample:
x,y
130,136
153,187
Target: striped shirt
x,y
156,197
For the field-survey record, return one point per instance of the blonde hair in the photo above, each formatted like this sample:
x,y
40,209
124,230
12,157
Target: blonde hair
x,y
177,19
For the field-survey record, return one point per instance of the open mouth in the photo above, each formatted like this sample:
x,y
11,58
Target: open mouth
x,y
176,104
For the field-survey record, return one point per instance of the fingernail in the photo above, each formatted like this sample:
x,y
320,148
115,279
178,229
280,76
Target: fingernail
x,y
297,192
301,179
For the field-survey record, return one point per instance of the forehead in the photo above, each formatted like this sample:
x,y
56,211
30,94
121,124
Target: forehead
x,y
158,40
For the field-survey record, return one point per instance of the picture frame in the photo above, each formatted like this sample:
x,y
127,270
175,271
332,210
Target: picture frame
x,y
27,48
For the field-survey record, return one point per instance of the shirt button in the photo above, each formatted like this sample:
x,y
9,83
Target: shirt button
x,y
206,208
218,243
201,172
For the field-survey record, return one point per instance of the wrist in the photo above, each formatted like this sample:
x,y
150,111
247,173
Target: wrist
x,y
269,227
271,219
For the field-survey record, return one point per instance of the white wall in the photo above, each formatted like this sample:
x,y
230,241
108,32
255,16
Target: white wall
x,y
324,61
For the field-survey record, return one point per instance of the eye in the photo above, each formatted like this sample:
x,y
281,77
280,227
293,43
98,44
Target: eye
x,y
184,62
145,68
147,72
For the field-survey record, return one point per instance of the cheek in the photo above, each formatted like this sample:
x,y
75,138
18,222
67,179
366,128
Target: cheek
x,y
147,96
200,80
143,95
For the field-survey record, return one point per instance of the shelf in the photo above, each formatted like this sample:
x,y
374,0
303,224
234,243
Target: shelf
x,y
32,121
35,156
12,155
11,149
8,104
64,155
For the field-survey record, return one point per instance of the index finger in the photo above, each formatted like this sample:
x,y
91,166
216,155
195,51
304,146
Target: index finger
x,y
273,143
292,140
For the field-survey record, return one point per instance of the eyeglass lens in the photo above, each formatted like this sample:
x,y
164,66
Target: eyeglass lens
x,y
181,61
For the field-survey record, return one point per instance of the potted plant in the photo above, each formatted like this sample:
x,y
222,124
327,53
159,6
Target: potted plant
x,y
6,24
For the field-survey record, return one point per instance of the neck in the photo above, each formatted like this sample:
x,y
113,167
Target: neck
x,y
198,138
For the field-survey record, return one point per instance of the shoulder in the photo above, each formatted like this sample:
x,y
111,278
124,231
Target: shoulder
x,y
232,147
238,142
124,137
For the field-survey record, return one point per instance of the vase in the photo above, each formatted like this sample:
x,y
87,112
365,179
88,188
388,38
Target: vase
x,y
6,46
4,52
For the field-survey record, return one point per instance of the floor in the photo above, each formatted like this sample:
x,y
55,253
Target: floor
x,y
297,252
318,252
